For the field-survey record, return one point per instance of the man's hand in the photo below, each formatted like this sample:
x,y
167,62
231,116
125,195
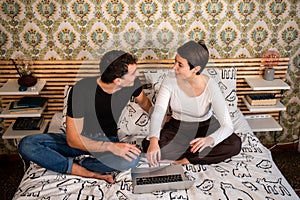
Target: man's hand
x,y
124,150
198,144
153,153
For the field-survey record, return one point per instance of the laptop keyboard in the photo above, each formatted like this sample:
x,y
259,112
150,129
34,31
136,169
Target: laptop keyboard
x,y
159,179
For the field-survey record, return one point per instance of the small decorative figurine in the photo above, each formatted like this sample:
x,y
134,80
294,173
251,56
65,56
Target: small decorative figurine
x,y
270,60
23,68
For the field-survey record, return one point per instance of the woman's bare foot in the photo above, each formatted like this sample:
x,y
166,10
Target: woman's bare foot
x,y
183,161
81,171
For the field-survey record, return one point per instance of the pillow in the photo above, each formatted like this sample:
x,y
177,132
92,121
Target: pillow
x,y
56,123
134,121
64,112
226,80
154,79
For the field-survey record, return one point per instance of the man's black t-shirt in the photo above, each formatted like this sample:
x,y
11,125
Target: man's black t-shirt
x,y
100,110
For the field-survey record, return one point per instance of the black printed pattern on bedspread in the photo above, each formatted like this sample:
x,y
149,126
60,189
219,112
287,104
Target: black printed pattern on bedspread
x,y
251,174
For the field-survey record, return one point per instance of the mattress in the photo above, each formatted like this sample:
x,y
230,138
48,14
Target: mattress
x,y
252,174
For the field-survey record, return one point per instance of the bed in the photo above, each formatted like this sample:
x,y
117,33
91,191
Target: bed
x,y
252,174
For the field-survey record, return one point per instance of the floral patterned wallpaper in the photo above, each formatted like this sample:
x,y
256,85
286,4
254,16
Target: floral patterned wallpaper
x,y
153,29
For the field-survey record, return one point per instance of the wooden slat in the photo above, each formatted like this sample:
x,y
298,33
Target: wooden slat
x,y
58,73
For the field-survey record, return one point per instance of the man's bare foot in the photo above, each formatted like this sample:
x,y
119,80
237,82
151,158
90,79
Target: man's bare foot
x,y
81,171
38,166
183,161
107,177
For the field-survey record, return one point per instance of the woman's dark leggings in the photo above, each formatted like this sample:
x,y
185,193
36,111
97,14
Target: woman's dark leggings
x,y
176,136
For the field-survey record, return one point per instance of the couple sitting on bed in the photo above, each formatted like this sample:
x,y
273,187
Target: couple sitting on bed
x,y
91,148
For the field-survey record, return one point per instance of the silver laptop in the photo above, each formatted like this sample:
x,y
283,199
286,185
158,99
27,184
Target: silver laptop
x,y
162,178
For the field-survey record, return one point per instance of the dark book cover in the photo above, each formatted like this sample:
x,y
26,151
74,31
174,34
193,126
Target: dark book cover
x,y
28,123
261,96
261,99
32,101
14,107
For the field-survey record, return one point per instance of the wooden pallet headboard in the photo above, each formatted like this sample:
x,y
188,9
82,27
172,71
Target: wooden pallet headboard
x,y
59,73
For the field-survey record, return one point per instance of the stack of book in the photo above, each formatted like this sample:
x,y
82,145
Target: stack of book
x,y
27,105
261,99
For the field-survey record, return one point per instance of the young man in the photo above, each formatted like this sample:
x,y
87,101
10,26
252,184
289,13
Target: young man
x,y
94,107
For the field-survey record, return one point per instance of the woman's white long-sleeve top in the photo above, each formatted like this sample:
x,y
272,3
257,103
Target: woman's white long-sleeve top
x,y
191,109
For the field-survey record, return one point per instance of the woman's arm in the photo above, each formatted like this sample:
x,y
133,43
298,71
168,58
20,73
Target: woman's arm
x,y
157,117
160,109
226,127
222,114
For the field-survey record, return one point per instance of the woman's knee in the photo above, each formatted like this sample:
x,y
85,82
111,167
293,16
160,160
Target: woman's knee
x,y
145,145
236,145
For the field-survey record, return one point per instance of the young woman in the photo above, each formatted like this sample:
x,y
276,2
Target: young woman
x,y
192,135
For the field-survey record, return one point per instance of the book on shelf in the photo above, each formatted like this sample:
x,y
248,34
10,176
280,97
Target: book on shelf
x,y
14,107
32,101
261,99
25,111
28,123
27,105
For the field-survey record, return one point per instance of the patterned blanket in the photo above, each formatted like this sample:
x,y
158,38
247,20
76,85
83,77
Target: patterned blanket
x,y
250,175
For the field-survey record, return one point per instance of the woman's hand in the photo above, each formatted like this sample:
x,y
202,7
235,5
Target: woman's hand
x,y
124,150
153,153
198,144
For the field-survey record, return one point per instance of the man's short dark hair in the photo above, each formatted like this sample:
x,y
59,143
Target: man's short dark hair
x,y
114,64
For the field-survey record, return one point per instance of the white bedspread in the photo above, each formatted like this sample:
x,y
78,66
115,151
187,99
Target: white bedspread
x,y
250,175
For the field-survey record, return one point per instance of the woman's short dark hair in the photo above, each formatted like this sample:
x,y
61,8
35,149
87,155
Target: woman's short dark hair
x,y
196,53
118,67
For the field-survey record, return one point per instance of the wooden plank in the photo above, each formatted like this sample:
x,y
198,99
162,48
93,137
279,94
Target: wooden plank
x,y
59,73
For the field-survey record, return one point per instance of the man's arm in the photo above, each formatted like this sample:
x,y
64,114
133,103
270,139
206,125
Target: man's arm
x,y
76,140
143,101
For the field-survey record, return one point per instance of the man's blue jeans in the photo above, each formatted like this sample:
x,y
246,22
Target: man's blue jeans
x,y
51,151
